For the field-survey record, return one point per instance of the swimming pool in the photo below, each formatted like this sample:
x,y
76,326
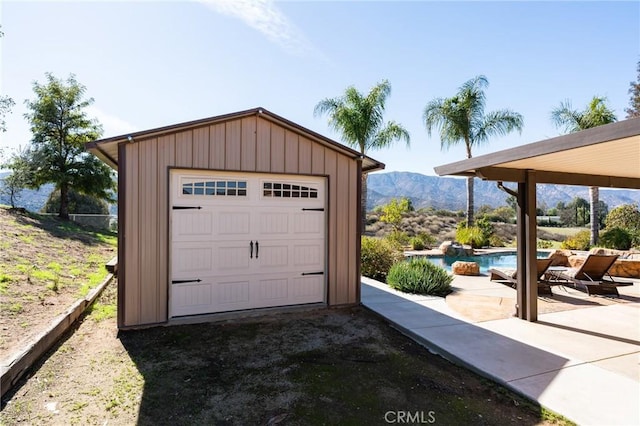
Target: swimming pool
x,y
485,261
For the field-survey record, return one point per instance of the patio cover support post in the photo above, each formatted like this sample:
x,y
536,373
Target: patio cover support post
x,y
527,288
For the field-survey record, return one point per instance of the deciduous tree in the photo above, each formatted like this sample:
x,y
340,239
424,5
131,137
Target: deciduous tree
x,y
634,91
60,128
393,211
17,180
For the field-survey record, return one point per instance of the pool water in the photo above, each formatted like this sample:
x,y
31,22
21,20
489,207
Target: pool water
x,y
485,261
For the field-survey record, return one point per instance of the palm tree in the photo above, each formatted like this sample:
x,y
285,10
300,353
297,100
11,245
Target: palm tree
x,y
462,119
359,119
596,114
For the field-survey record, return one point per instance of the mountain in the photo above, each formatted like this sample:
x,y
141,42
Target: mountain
x,y
451,193
424,191
31,199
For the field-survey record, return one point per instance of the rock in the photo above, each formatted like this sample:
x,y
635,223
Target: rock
x,y
626,268
454,249
465,268
575,260
560,257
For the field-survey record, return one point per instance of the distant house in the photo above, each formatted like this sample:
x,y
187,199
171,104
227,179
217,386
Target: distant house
x,y
235,212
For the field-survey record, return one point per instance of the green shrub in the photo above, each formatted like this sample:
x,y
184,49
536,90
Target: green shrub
x,y
422,241
580,241
472,236
398,239
496,241
616,238
419,275
627,217
417,243
377,256
545,244
78,203
476,236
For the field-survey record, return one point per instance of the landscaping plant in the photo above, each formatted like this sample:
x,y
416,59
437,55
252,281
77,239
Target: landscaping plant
x,y
472,235
377,256
421,241
579,241
627,217
616,238
419,275
398,239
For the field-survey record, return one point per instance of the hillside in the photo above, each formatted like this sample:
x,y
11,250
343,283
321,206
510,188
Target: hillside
x,y
450,193
45,265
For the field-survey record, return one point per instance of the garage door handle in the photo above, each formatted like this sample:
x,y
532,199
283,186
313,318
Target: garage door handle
x,y
313,210
313,273
251,250
185,281
257,248
186,207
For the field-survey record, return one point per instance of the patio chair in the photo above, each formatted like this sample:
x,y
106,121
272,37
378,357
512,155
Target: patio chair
x,y
593,275
511,276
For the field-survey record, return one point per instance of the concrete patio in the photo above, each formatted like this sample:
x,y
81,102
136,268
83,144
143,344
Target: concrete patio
x,y
581,359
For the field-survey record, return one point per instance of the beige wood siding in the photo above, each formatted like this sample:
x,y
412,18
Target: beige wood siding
x,y
251,144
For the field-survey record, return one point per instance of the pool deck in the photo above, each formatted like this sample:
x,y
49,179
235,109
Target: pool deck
x,y
581,359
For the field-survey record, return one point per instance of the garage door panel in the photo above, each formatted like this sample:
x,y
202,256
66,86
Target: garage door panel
x,y
234,223
190,259
231,257
189,299
269,290
307,289
273,223
308,223
308,255
192,225
273,255
233,292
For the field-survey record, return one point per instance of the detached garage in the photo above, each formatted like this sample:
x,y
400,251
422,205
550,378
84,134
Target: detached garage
x,y
236,212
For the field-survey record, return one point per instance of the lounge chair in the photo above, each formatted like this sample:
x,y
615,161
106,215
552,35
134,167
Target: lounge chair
x,y
511,276
593,275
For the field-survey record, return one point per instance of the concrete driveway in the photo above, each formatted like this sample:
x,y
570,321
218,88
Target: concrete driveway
x,y
581,359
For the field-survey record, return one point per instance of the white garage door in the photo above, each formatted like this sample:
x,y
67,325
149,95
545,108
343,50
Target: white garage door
x,y
245,241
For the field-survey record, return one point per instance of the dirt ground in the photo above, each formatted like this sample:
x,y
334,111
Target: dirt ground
x,y
339,366
45,265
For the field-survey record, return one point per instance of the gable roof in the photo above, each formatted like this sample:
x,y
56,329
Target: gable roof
x,y
107,149
604,156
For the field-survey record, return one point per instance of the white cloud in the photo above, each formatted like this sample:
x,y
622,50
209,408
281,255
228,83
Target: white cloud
x,y
264,16
112,125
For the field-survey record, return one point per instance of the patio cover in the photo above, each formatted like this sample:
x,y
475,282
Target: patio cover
x,y
605,156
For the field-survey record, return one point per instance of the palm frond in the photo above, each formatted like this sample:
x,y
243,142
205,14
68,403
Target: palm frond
x,y
390,133
595,114
360,119
498,123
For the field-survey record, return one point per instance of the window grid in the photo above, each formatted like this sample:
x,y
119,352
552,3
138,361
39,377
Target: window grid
x,y
287,190
218,188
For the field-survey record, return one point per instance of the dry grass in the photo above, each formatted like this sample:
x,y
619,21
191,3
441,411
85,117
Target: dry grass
x,y
45,265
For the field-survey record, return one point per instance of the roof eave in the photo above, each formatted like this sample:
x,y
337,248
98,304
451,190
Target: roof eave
x,y
98,147
596,135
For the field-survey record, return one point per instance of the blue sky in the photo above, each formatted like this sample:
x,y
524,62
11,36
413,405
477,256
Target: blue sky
x,y
149,64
